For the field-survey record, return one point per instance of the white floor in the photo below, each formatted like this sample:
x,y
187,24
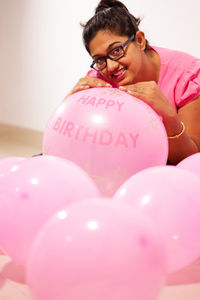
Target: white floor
x,y
19,141
183,285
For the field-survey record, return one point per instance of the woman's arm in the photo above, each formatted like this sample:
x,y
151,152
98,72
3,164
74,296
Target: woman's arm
x,y
188,142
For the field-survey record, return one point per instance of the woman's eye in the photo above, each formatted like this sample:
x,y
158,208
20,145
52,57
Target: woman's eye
x,y
116,51
100,61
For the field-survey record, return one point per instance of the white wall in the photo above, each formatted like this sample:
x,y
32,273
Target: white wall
x,y
42,56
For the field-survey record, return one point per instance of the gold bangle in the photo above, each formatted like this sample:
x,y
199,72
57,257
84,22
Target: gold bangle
x,y
177,135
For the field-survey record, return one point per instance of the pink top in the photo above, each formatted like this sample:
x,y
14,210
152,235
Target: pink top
x,y
179,78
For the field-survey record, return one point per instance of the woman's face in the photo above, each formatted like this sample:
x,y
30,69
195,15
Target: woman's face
x,y
129,68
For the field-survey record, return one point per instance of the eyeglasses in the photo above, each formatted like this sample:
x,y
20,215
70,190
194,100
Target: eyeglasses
x,y
100,63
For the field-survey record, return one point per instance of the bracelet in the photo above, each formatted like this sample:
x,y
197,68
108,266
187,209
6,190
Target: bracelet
x,y
179,134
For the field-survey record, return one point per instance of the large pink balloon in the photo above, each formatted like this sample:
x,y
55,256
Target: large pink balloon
x,y
96,249
191,163
171,198
109,133
7,164
31,193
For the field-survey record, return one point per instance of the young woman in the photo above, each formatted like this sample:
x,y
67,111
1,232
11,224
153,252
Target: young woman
x,y
167,80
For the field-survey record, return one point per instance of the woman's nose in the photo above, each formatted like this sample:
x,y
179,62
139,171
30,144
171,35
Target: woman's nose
x,y
112,64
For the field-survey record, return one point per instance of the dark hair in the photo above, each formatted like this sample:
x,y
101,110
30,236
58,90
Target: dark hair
x,y
110,15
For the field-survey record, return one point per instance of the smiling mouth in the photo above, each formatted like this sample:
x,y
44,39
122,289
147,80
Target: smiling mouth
x,y
119,75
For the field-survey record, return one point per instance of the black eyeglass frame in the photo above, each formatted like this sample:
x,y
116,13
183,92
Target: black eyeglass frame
x,y
107,56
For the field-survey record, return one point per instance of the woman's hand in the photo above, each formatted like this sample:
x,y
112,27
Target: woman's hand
x,y
149,92
88,82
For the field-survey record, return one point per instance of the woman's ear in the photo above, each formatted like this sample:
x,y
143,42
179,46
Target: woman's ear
x,y
140,40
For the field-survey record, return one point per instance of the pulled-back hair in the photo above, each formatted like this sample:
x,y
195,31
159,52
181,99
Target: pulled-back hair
x,y
110,15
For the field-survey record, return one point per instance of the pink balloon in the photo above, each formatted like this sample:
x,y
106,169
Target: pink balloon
x,y
9,163
31,193
171,198
96,249
109,133
191,163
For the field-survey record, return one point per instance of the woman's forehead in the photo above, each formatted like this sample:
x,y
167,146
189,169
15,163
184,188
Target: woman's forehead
x,y
103,40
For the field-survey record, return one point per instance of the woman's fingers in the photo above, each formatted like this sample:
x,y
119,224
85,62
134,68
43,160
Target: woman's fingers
x,y
89,82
